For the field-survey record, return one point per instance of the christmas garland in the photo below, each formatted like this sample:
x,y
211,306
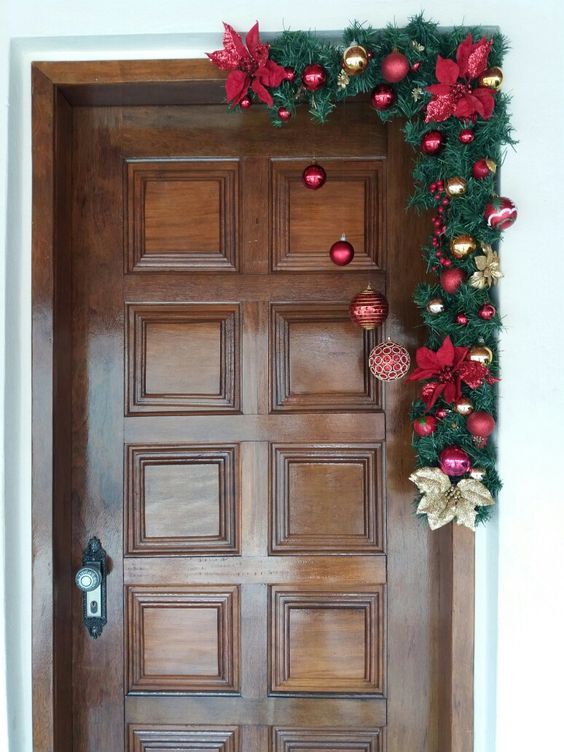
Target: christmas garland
x,y
446,84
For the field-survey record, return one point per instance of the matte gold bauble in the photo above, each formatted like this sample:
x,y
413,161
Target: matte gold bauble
x,y
435,305
455,186
492,78
355,59
463,406
480,354
462,246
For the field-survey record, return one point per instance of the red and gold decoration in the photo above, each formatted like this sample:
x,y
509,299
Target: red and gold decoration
x,y
483,168
314,177
389,361
382,97
487,266
314,77
355,59
500,213
369,308
395,67
341,252
442,501
432,142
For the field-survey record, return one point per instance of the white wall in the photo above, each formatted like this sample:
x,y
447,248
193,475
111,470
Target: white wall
x,y
520,619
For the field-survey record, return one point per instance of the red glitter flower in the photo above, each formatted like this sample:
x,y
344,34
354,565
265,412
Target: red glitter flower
x,y
250,66
454,95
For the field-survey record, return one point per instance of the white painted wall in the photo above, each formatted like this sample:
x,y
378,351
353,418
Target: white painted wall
x,y
520,614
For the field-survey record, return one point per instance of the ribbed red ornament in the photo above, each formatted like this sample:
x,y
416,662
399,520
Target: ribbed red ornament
x,y
389,361
369,308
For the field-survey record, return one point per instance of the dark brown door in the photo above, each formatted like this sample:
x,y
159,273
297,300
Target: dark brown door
x,y
268,586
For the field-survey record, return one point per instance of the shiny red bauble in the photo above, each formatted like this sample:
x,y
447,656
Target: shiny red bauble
x,y
314,77
480,424
369,308
451,279
395,67
500,213
487,311
466,136
314,176
462,319
441,413
483,168
341,252
290,74
425,425
284,114
382,97
454,460
245,103
389,361
432,142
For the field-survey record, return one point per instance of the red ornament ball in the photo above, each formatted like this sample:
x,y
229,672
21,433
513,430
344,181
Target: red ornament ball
x,y
382,97
369,308
466,136
480,424
462,319
389,361
395,67
454,460
500,213
245,103
314,176
314,77
290,74
341,252
441,413
483,168
425,425
451,279
284,114
432,142
487,311
415,67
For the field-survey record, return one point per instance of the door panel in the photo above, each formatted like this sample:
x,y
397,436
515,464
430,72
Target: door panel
x,y
268,589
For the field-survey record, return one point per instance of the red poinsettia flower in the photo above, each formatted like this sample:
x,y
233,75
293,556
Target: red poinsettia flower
x,y
249,66
454,94
449,370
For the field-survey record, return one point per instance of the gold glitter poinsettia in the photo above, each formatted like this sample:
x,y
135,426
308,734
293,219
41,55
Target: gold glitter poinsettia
x,y
442,501
488,272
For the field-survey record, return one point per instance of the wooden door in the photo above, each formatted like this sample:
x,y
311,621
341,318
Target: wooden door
x,y
269,589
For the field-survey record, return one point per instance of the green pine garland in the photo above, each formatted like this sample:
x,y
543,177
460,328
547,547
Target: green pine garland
x,y
421,42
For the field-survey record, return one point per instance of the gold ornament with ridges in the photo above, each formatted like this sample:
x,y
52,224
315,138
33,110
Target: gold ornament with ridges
x,y
435,305
463,406
462,246
355,59
492,78
455,186
480,354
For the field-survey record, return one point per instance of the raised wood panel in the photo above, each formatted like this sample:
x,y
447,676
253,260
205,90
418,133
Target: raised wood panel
x,y
326,499
325,740
327,641
306,223
183,638
182,499
319,360
182,358
158,738
181,215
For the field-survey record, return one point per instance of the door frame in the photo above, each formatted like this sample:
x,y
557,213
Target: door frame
x,y
56,88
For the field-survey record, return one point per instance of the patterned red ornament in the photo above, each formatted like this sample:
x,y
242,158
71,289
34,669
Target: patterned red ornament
x,y
382,97
425,425
483,168
454,461
432,142
389,361
500,213
314,176
466,136
451,279
369,308
395,67
314,77
341,252
487,312
284,114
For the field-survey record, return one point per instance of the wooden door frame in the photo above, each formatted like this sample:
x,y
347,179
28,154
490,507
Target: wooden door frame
x,y
57,87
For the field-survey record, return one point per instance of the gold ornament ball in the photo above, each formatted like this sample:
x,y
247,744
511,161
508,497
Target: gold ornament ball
x,y
463,406
355,59
478,473
462,246
492,78
480,354
455,186
435,305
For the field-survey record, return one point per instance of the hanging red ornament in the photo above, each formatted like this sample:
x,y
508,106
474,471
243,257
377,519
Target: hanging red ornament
x,y
395,67
481,425
382,97
466,136
487,312
314,77
454,461
432,142
341,252
369,308
483,168
389,361
290,73
451,279
245,103
284,114
500,213
425,425
314,176
462,319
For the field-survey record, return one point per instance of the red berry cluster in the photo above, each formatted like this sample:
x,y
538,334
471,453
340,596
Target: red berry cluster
x,y
441,197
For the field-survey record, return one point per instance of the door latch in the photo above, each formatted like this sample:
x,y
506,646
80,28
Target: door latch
x,y
91,579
